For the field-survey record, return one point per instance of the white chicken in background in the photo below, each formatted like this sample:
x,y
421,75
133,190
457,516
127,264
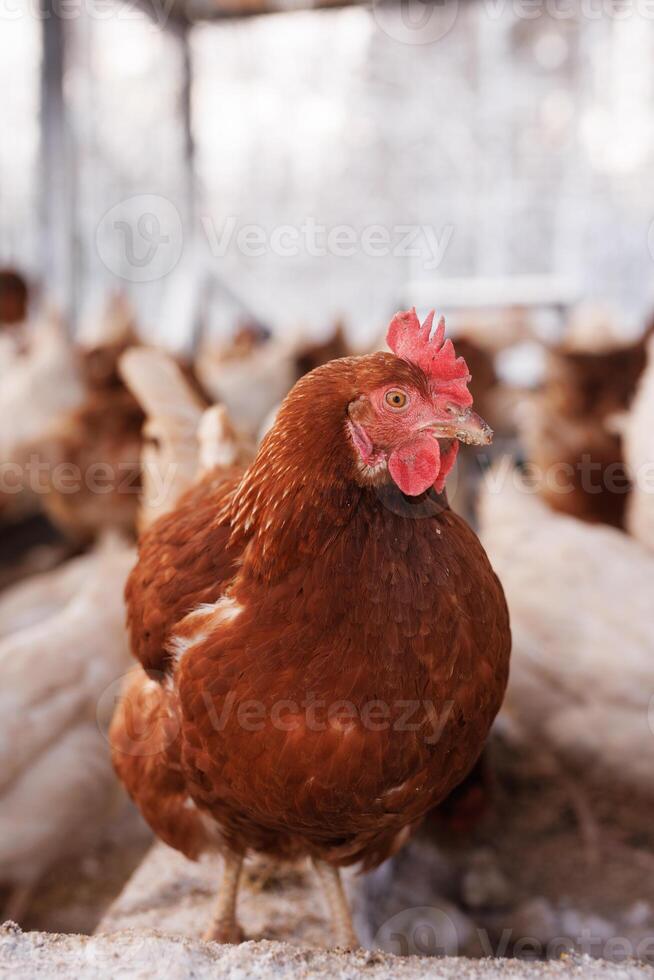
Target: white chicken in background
x,y
101,435
67,422
251,372
111,323
43,383
637,429
580,599
42,596
47,382
63,644
39,387
250,375
10,352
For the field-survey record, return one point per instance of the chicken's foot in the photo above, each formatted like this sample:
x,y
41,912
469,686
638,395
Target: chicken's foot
x,y
224,928
330,879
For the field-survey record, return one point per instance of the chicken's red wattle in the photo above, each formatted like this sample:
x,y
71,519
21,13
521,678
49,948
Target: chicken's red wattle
x,y
415,465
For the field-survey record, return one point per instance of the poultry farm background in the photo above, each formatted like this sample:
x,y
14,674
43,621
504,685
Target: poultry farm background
x,y
532,218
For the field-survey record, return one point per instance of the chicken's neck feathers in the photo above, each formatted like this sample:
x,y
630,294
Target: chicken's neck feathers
x,y
305,486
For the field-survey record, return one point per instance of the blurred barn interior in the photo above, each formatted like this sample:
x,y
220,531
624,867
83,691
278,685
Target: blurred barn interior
x,y
254,190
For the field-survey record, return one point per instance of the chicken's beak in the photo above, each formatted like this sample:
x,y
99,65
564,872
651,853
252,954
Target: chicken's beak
x,y
468,427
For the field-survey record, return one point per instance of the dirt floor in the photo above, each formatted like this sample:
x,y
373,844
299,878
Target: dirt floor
x,y
141,956
73,896
556,863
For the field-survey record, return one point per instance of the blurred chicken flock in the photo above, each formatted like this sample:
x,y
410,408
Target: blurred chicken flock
x,y
100,434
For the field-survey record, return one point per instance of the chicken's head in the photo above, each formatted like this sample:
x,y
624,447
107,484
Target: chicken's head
x,y
411,424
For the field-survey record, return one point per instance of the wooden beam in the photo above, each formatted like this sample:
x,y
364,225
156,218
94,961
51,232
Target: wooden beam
x,y
57,204
171,12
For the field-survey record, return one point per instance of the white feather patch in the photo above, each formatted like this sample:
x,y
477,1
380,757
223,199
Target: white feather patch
x,y
203,621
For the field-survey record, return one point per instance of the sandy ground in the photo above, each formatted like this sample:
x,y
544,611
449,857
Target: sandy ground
x,y
141,955
558,862
75,894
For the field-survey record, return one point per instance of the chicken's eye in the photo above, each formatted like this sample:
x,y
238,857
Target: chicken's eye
x,y
396,398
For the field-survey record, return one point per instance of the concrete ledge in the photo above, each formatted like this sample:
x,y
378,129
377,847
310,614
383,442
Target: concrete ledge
x,y
174,895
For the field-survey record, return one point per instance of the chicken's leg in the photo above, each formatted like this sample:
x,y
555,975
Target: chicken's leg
x,y
224,928
339,908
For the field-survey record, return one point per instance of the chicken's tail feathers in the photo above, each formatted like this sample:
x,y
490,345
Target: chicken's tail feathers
x,y
170,454
158,384
145,751
183,439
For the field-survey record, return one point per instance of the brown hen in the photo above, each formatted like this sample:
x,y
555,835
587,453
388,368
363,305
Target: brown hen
x,y
570,433
325,643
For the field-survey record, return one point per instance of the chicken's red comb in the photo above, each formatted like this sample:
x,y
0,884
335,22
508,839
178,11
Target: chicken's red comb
x,y
434,354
